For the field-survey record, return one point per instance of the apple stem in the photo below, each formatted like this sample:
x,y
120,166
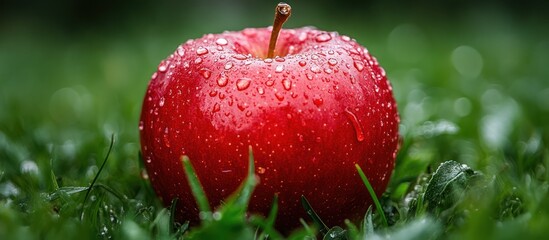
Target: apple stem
x,y
282,13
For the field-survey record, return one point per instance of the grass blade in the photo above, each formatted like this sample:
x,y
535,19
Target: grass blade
x,y
372,194
196,187
322,228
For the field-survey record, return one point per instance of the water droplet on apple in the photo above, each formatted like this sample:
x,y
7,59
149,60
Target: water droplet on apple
x,y
359,65
240,56
221,41
287,84
269,83
213,93
248,113
323,37
216,108
140,125
315,69
302,63
261,170
243,83
161,102
268,60
228,65
279,96
345,38
206,73
180,51
317,100
332,62
201,51
309,76
153,77
328,70
302,36
260,90
222,80
250,32
198,60
331,52
356,125
279,68
163,66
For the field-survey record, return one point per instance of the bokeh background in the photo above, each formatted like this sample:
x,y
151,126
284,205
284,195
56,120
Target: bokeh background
x,y
471,78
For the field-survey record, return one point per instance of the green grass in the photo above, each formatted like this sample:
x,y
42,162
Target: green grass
x,y
472,90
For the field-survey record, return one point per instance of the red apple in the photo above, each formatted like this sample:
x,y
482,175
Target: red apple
x,y
322,105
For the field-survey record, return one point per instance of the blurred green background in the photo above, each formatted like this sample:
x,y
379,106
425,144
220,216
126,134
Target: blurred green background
x,y
471,78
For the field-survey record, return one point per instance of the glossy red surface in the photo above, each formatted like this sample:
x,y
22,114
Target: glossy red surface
x,y
309,117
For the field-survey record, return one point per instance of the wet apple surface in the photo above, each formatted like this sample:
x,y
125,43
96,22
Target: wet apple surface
x,y
309,114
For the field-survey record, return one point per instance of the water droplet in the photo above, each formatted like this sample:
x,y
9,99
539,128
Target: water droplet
x,y
279,68
213,93
243,83
163,66
323,37
359,66
315,69
356,125
280,59
261,170
332,62
302,36
248,113
140,125
302,63
309,76
155,74
345,38
317,100
180,51
279,96
201,51
287,84
240,56
269,83
331,52
221,41
228,65
206,73
198,60
161,103
216,108
250,32
328,70
222,80
260,90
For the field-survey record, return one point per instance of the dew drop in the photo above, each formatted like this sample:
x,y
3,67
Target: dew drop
x,y
161,103
315,69
324,37
280,59
163,66
260,90
345,38
302,63
216,108
206,73
221,41
198,60
261,170
356,125
359,66
309,76
268,60
228,65
287,84
240,56
279,96
332,62
140,125
201,51
279,68
155,74
269,83
243,83
180,51
317,100
222,80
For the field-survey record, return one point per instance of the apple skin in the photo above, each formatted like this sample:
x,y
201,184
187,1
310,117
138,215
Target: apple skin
x,y
309,116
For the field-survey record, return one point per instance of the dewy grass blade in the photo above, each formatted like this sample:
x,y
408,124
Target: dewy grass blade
x,y
196,187
372,194
97,176
322,228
